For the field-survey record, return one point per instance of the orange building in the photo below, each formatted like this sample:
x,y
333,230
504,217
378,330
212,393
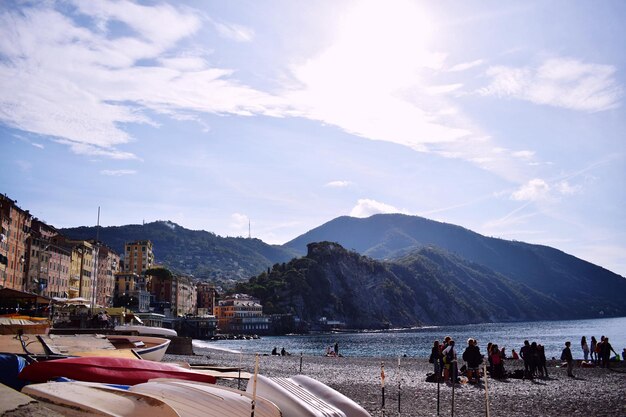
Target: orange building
x,y
138,256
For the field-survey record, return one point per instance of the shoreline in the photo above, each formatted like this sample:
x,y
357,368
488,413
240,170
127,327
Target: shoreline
x,y
594,391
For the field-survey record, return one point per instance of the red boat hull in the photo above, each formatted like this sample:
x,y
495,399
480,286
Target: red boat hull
x,y
108,370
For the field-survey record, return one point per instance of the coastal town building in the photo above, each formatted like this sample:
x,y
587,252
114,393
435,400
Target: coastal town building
x,y
13,243
130,291
108,264
47,264
138,256
174,295
241,314
207,294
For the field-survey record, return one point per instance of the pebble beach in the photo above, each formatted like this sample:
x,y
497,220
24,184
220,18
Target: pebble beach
x,y
593,392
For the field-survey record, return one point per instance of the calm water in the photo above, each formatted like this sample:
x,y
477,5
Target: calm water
x,y
418,342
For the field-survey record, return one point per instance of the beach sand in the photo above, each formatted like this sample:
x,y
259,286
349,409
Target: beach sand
x,y
594,391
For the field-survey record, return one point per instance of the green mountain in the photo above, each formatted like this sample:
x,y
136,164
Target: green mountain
x,y
388,270
427,286
592,289
196,252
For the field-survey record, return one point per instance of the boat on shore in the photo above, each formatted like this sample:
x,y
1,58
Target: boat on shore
x,y
302,396
108,370
77,399
14,323
146,330
52,345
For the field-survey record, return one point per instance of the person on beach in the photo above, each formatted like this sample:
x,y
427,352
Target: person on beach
x,y
566,356
599,350
497,364
606,352
585,347
525,354
594,354
336,349
472,356
275,351
449,361
543,369
435,359
514,354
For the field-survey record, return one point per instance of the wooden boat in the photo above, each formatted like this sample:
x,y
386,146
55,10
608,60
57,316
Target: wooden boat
x,y
305,397
142,347
147,347
191,399
13,323
147,330
76,399
108,370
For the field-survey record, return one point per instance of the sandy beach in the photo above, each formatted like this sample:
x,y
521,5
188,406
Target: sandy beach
x,y
594,391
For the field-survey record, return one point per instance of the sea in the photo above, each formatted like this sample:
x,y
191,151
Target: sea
x,y
417,342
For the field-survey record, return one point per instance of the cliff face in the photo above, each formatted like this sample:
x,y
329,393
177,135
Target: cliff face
x,y
429,286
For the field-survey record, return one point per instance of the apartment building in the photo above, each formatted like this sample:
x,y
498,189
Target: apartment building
x,y
47,264
138,256
241,314
130,291
108,266
207,294
174,295
13,243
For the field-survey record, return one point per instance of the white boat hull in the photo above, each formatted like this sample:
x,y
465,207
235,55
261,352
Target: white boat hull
x,y
195,399
79,399
154,347
147,330
294,400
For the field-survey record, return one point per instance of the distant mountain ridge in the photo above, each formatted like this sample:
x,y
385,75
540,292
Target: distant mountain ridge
x,y
542,268
195,252
434,272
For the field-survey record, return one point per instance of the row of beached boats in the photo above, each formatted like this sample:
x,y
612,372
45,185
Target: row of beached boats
x,y
108,386
122,375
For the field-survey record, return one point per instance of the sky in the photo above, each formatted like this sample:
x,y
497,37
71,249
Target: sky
x,y
506,118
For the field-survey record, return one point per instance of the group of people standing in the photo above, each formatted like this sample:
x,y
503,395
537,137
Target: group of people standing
x,y
534,357
598,352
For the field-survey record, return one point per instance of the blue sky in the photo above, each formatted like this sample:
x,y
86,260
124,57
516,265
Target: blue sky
x,y
506,118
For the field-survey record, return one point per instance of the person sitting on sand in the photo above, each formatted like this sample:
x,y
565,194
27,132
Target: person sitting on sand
x,y
283,352
275,351
514,354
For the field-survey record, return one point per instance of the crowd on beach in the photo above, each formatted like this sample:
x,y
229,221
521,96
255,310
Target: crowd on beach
x,y
445,357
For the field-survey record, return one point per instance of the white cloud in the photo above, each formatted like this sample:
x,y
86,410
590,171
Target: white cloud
x,y
373,80
534,190
38,145
466,65
524,154
558,82
540,190
234,32
367,207
566,188
118,172
239,221
338,184
81,85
